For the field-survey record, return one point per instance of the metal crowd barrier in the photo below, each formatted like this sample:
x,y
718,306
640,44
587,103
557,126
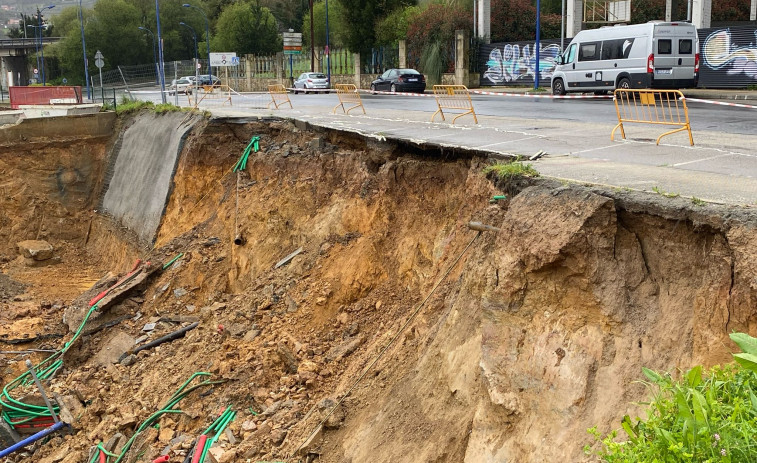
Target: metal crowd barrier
x,y
279,96
660,107
348,94
212,93
454,97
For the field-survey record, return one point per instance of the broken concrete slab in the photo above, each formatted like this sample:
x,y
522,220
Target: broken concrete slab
x,y
118,344
37,250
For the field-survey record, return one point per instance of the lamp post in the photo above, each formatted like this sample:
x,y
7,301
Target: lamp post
x,y
537,45
154,56
194,36
161,72
41,47
36,43
207,35
328,50
84,50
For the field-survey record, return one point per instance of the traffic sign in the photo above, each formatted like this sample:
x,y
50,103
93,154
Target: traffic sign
x,y
235,61
36,71
99,59
222,59
65,81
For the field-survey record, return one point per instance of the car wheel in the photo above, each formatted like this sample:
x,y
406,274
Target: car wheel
x,y
394,88
558,87
624,83
373,88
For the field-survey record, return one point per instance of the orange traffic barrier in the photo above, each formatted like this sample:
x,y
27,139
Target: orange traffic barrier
x,y
661,107
348,94
279,96
213,93
454,97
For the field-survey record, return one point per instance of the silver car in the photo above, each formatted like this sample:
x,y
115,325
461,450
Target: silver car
x,y
181,86
311,80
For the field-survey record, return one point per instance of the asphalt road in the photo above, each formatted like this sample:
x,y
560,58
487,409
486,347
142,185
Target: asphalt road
x,y
703,116
574,134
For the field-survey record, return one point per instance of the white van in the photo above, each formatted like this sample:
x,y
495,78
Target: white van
x,y
651,55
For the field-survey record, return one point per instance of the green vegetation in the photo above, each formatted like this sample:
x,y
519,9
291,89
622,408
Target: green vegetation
x,y
246,27
131,106
697,202
662,192
511,170
705,416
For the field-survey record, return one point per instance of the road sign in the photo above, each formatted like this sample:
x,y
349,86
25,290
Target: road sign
x,y
235,61
292,39
222,59
65,81
99,59
36,71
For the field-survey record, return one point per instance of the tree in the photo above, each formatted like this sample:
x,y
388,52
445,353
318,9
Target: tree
x,y
431,37
394,26
246,27
337,25
362,17
515,20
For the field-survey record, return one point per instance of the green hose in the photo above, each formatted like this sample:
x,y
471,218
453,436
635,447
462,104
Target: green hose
x,y
218,426
242,163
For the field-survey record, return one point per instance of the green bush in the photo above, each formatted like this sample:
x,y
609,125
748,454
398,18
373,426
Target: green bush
x,y
705,416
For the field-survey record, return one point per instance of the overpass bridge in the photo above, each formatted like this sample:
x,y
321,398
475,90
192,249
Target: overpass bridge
x,y
14,69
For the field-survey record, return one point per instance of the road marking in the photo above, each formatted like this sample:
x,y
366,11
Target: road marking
x,y
505,142
700,160
596,149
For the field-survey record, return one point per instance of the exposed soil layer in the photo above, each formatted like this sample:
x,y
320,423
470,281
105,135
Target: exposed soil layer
x,y
534,335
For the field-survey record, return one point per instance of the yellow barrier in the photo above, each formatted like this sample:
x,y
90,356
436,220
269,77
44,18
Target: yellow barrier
x,y
453,97
279,96
347,93
211,93
661,107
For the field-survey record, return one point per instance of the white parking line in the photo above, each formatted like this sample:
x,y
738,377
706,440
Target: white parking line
x,y
505,142
596,149
700,160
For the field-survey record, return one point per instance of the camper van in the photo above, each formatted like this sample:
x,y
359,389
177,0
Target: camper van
x,y
651,55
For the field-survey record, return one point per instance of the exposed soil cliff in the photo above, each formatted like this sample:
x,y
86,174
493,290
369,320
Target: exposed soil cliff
x,y
536,333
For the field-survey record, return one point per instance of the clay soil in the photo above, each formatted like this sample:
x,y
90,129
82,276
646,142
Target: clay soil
x,y
535,334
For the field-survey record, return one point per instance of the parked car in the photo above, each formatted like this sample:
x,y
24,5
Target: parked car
x,y
207,79
400,80
311,80
181,86
189,78
650,55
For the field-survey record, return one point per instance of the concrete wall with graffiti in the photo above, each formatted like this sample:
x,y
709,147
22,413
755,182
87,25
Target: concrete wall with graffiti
x,y
728,60
515,63
728,57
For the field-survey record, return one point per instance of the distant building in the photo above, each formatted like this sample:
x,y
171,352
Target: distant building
x,y
14,22
5,8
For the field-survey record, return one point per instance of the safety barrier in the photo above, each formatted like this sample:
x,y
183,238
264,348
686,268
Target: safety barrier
x,y
44,95
659,107
213,93
348,94
455,97
279,96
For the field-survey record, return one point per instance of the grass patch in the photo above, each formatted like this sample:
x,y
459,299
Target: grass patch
x,y
697,202
705,416
130,106
662,192
511,170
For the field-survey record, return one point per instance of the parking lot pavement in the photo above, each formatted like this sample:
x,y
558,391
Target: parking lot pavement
x,y
720,168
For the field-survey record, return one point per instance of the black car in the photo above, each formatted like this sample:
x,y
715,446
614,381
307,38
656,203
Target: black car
x,y
207,79
400,80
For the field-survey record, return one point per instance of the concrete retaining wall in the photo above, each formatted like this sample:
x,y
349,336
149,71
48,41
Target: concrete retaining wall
x,y
66,127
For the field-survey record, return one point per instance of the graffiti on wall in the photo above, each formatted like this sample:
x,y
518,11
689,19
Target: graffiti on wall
x,y
512,63
721,52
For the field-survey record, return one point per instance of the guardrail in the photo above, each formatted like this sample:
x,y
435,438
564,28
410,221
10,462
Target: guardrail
x,y
348,94
658,107
279,96
212,93
456,97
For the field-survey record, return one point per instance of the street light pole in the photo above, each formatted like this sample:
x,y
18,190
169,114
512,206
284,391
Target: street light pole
x,y
154,56
207,36
41,44
36,43
160,55
537,45
328,50
84,50
194,35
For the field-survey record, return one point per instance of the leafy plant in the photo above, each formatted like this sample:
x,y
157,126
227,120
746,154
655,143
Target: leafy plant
x,y
705,416
697,201
510,170
662,192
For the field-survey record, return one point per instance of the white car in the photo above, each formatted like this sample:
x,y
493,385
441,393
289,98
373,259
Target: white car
x,y
181,86
311,80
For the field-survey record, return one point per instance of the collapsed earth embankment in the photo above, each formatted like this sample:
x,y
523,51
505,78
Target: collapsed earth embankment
x,y
536,334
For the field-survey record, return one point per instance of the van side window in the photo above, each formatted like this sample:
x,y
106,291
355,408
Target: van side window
x,y
665,46
685,46
589,51
616,49
571,54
